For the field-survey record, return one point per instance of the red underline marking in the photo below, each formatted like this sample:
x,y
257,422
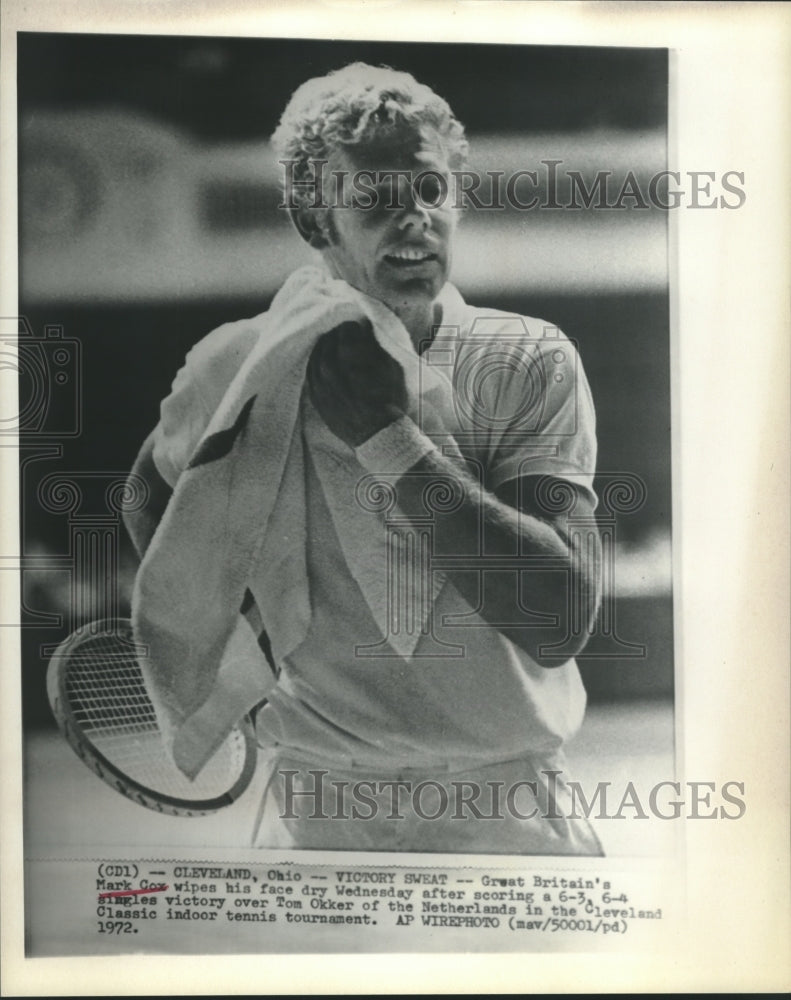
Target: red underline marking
x,y
133,892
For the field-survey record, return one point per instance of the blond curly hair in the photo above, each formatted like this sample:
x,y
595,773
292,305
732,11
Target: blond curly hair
x,y
353,106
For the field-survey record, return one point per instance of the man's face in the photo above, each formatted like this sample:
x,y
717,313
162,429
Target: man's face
x,y
399,249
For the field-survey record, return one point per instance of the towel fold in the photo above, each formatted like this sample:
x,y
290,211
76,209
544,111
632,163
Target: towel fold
x,y
240,504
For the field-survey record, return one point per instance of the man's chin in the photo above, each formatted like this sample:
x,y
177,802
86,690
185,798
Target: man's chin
x,y
415,288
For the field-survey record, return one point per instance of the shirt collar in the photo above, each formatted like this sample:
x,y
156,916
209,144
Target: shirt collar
x,y
453,306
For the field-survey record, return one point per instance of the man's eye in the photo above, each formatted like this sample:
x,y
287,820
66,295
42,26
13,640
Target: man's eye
x,y
429,191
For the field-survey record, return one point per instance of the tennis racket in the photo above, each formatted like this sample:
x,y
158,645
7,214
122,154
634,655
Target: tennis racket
x,y
99,700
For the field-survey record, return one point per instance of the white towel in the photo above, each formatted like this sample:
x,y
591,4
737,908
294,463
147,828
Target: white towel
x,y
240,501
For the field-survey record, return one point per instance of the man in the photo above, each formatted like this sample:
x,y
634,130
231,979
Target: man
x,y
423,643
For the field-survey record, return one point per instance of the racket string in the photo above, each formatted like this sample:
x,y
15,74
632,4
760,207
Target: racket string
x,y
109,703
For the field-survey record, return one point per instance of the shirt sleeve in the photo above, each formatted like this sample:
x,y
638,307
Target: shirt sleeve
x,y
541,415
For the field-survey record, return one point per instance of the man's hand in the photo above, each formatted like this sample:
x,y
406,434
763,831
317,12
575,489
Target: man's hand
x,y
355,385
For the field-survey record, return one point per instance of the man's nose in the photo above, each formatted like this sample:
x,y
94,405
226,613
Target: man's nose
x,y
414,213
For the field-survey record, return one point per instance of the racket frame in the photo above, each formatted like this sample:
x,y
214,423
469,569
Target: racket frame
x,y
111,774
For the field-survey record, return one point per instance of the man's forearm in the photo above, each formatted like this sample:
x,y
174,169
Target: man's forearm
x,y
529,573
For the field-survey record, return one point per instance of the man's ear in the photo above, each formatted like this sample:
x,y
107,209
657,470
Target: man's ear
x,y
311,224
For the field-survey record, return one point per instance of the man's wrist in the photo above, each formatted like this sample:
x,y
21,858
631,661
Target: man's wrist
x,y
395,449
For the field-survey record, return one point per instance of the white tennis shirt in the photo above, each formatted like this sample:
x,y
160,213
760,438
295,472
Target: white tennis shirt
x,y
518,404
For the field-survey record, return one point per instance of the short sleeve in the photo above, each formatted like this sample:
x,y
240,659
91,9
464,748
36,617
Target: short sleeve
x,y
531,404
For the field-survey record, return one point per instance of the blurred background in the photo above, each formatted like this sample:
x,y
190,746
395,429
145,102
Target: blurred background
x,y
148,216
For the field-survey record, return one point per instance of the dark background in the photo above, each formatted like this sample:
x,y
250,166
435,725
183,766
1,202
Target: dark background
x,y
233,90
237,88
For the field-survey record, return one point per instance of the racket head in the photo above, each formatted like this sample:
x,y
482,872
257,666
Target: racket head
x,y
99,700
